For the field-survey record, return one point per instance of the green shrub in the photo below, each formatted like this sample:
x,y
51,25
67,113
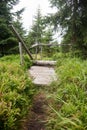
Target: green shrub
x,y
27,62
16,91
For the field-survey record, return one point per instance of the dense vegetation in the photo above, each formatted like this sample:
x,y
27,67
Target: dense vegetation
x,y
68,106
67,97
16,91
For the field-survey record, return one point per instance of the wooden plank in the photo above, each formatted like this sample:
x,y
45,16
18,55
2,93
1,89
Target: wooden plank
x,y
48,45
42,75
21,53
44,63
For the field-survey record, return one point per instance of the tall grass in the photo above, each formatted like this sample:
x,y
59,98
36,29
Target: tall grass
x,y
16,91
69,110
16,59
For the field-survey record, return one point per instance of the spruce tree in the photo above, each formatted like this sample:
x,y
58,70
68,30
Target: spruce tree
x,y
7,38
71,16
39,32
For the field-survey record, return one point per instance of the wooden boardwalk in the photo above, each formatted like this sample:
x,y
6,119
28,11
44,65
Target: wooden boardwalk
x,y
43,74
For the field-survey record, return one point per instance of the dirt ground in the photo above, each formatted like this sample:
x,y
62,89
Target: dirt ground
x,y
37,118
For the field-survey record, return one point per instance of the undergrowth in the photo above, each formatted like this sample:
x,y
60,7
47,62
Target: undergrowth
x,y
67,97
16,91
16,59
68,110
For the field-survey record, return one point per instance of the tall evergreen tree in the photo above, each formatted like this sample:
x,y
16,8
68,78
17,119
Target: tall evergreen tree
x,y
18,22
39,32
7,39
38,26
47,36
37,29
71,15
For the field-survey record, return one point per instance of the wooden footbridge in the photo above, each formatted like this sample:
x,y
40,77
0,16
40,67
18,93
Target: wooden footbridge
x,y
42,72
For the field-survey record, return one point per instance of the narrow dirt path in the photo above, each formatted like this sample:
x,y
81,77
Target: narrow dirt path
x,y
42,76
37,118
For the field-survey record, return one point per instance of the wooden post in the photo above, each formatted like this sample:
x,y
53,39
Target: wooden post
x,y
21,53
36,53
41,52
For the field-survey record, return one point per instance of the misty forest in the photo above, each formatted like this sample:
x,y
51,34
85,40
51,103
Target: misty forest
x,y
43,79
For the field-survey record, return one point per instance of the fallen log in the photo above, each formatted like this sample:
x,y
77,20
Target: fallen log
x,y
44,63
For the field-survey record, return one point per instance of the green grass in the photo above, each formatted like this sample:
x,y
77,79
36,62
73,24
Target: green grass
x,y
69,93
67,97
10,58
16,91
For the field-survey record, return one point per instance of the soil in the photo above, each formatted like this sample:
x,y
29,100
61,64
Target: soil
x,y
37,118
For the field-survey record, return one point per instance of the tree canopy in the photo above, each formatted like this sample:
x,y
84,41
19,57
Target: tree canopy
x,y
7,40
71,16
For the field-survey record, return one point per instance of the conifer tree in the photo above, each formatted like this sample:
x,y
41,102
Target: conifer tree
x,y
71,16
39,32
7,39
